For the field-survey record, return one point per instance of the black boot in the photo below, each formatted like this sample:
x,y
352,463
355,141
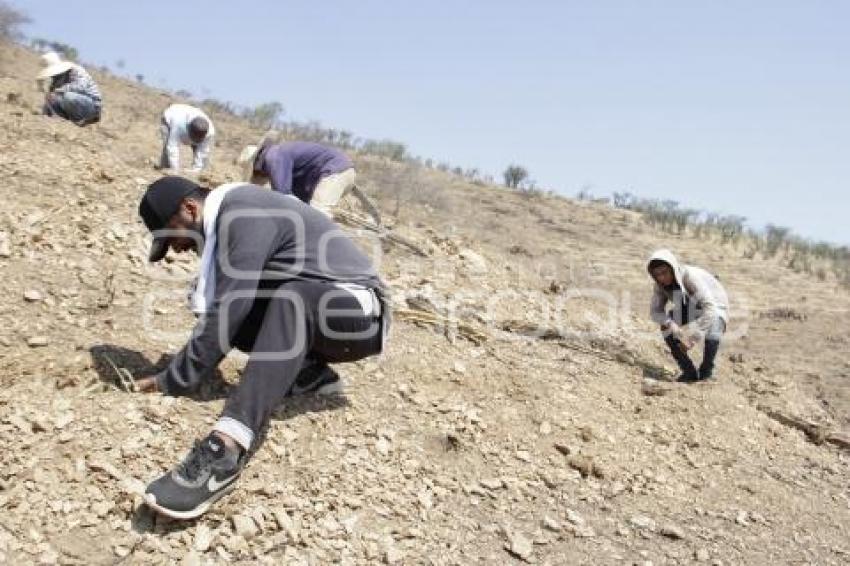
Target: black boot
x,y
689,372
706,368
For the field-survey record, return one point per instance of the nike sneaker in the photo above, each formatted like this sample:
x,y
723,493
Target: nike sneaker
x,y
205,475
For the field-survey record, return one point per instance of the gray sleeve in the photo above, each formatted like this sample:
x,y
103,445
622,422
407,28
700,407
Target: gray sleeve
x,y
657,306
246,242
705,301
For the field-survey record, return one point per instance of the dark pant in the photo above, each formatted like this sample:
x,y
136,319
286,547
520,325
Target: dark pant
x,y
712,345
304,320
73,106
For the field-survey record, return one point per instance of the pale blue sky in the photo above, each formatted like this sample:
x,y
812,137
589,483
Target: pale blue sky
x,y
739,107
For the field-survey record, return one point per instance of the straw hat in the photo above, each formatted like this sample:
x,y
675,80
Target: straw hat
x,y
249,153
53,65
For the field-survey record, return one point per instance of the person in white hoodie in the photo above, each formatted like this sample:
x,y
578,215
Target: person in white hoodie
x,y
698,301
184,124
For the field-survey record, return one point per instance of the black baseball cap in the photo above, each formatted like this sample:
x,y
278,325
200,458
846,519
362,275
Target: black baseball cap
x,y
160,202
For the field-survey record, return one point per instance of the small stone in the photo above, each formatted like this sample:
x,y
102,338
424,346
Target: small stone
x,y
574,517
523,456
128,484
586,434
191,559
33,296
349,523
203,538
393,555
382,446
741,518
642,522
63,420
584,466
583,531
37,341
564,449
425,499
38,424
101,508
545,428
459,367
672,531
654,388
551,524
474,261
5,246
491,483
244,526
121,551
519,545
283,520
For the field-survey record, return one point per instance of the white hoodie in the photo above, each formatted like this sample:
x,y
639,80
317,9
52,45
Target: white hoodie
x,y
698,285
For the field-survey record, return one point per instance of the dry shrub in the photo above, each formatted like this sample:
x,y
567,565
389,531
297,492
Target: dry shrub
x,y
397,187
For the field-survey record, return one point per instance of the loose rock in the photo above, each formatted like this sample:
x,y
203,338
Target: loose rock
x,y
37,341
33,296
244,526
519,545
642,522
672,531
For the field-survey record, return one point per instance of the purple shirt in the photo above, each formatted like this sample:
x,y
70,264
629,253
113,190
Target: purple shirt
x,y
297,167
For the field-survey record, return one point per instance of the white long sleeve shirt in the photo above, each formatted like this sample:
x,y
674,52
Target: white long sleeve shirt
x,y
176,119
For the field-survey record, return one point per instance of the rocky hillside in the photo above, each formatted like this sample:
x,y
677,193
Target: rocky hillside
x,y
523,412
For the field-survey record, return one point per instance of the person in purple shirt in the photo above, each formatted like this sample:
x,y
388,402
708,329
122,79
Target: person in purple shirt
x,y
314,173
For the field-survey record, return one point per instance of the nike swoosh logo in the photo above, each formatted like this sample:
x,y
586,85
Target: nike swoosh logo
x,y
215,485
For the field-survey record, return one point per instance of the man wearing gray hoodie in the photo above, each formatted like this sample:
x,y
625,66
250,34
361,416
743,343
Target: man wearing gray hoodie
x,y
698,301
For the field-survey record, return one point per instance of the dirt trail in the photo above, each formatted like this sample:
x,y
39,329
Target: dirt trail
x,y
468,442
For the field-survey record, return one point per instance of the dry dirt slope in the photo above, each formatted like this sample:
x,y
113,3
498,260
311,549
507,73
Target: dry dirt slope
x,y
461,445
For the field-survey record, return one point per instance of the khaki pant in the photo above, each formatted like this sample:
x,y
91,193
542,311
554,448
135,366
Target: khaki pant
x,y
331,189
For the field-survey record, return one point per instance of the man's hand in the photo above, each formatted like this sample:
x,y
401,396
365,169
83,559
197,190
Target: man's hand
x,y
671,328
147,384
689,342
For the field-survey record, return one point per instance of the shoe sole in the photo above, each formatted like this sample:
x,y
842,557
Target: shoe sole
x,y
329,389
150,501
326,390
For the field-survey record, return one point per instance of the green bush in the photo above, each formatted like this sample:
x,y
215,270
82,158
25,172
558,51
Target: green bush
x,y
514,176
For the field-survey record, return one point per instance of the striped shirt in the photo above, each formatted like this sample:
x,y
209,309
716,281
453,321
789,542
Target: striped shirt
x,y
79,81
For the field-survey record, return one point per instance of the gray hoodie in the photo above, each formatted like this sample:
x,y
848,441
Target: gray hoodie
x,y
700,288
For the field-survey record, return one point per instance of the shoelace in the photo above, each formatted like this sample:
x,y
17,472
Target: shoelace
x,y
198,461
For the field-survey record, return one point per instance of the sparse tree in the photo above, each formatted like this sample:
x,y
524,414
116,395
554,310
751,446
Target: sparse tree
x,y
624,200
584,194
514,176
68,52
775,237
265,115
390,149
10,22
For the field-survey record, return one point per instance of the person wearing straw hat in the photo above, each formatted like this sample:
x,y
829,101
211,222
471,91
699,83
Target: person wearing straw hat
x,y
72,94
184,124
312,172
